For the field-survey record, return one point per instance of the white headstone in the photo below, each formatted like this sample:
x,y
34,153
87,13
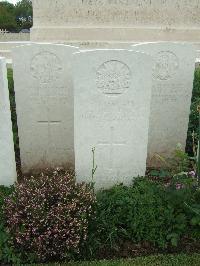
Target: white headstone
x,y
112,107
44,98
8,173
173,74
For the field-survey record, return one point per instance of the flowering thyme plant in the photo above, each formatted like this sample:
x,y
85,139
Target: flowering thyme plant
x,y
48,215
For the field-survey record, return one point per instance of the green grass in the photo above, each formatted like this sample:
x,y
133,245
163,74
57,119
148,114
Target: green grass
x,y
163,260
154,260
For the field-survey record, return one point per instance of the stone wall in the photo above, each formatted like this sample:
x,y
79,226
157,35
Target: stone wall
x,y
14,37
116,20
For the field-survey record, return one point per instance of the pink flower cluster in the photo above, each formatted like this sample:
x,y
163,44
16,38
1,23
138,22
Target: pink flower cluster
x,y
179,186
192,173
48,215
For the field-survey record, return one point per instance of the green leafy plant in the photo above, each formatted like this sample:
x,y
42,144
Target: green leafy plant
x,y
179,162
145,212
194,213
194,116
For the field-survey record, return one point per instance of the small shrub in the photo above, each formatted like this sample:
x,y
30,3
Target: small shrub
x,y
178,162
7,253
194,115
182,195
147,212
47,216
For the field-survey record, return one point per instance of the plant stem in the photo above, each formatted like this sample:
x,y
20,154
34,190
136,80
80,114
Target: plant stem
x,y
94,168
198,153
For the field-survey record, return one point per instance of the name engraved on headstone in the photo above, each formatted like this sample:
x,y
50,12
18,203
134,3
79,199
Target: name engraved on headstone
x,y
123,113
170,92
49,90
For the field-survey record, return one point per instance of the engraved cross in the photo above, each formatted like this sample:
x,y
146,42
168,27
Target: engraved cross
x,y
112,144
50,141
49,124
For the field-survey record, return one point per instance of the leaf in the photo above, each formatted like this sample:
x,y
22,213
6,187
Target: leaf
x,y
174,242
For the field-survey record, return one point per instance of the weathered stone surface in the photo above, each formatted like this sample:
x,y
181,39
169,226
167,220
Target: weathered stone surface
x,y
44,98
173,74
8,173
116,20
112,107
